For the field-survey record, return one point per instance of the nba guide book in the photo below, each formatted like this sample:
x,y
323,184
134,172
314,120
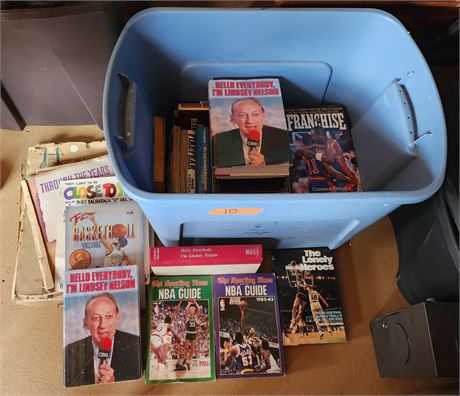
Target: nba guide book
x,y
247,326
310,307
180,314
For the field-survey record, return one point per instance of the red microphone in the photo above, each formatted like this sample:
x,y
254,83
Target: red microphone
x,y
253,139
105,346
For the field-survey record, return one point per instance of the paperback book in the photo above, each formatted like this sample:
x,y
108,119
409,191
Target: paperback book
x,y
106,235
180,317
81,192
247,326
310,307
322,151
101,326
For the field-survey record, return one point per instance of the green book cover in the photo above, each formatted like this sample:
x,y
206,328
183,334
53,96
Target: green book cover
x,y
180,323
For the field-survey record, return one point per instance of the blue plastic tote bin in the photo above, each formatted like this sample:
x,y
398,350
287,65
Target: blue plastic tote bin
x,y
362,58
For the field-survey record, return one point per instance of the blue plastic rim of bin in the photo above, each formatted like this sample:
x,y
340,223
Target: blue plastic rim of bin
x,y
362,58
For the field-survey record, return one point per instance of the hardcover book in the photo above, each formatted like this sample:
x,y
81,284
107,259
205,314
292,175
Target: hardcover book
x,y
202,260
180,317
101,326
192,115
322,151
203,160
247,326
159,151
248,128
310,307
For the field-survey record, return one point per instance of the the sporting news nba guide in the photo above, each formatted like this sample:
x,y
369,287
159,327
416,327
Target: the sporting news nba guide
x,y
247,326
309,298
180,317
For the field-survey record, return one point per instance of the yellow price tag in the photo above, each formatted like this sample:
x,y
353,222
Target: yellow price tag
x,y
235,211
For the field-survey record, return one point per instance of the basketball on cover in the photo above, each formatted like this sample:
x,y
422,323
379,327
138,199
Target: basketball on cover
x,y
80,259
119,230
243,305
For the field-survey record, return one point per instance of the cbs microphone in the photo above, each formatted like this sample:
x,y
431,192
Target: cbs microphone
x,y
105,346
253,139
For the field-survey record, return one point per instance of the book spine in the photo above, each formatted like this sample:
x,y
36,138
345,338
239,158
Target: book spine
x,y
203,161
205,255
191,162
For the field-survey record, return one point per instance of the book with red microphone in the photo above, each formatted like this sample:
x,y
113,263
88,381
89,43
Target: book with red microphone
x,y
101,326
249,135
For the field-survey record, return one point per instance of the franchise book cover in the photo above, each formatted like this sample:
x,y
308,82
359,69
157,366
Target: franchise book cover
x,y
101,326
248,128
247,326
322,151
202,260
180,318
310,307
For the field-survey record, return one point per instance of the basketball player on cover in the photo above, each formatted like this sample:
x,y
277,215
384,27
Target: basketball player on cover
x,y
326,164
243,355
301,297
114,253
250,337
317,310
192,314
268,363
161,336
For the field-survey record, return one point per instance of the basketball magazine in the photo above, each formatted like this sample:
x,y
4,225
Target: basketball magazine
x,y
180,317
81,192
101,326
106,235
322,150
310,308
247,326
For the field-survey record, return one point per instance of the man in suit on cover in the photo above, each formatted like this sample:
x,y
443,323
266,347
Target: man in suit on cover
x,y
83,363
237,147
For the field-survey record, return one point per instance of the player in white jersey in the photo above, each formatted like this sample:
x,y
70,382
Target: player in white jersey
x,y
157,334
268,364
114,253
317,310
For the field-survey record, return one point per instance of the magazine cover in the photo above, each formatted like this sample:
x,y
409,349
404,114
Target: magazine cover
x,y
248,127
80,192
247,326
180,317
46,184
101,326
106,235
322,151
310,308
